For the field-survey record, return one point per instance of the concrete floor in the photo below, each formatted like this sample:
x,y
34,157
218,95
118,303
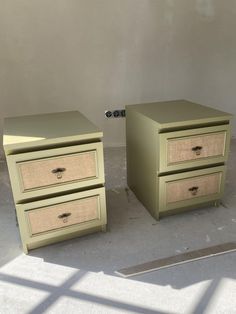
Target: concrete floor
x,y
77,276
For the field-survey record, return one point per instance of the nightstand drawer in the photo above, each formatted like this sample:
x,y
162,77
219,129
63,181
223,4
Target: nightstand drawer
x,y
63,215
196,147
192,187
58,216
55,170
185,189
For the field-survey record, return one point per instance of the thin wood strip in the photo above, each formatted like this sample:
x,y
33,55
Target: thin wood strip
x,y
177,259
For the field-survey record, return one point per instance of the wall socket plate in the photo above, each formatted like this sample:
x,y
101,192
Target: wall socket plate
x,y
118,113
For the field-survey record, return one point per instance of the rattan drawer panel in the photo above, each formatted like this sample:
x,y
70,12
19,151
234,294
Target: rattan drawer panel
x,y
196,147
56,170
190,148
55,219
63,215
185,189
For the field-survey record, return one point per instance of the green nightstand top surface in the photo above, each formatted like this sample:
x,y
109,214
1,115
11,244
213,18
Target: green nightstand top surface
x,y
47,129
179,112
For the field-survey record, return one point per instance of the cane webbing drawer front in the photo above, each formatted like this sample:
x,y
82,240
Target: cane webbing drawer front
x,y
194,147
51,171
191,187
63,215
58,216
194,187
55,170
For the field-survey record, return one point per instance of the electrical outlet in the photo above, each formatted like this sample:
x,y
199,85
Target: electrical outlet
x,y
108,113
122,112
119,113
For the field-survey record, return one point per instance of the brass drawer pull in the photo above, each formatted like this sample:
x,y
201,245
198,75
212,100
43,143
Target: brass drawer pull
x,y
197,150
194,190
58,172
64,216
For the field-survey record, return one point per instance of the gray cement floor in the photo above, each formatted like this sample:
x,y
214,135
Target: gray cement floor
x,y
77,276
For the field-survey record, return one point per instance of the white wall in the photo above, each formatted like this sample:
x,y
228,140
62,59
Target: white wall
x,y
213,49
92,55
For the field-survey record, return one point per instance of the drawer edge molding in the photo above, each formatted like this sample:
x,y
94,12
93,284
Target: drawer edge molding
x,y
23,209
163,181
164,166
20,194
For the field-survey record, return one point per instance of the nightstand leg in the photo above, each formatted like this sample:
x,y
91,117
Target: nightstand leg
x,y
25,249
217,203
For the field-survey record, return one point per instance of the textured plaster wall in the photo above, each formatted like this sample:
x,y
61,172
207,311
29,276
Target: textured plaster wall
x,y
213,49
93,55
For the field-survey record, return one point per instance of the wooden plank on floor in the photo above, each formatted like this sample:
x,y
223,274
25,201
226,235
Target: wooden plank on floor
x,y
177,259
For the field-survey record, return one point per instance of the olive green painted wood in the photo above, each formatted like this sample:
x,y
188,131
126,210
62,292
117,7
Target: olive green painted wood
x,y
16,180
164,206
61,234
148,128
48,137
46,130
164,137
179,210
142,158
180,113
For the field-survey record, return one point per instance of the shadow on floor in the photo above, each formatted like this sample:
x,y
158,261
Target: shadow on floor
x,y
134,237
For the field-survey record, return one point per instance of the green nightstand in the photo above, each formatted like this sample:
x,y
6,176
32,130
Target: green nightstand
x,y
176,154
56,169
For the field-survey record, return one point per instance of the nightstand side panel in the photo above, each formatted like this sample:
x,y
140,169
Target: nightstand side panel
x,y
142,158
